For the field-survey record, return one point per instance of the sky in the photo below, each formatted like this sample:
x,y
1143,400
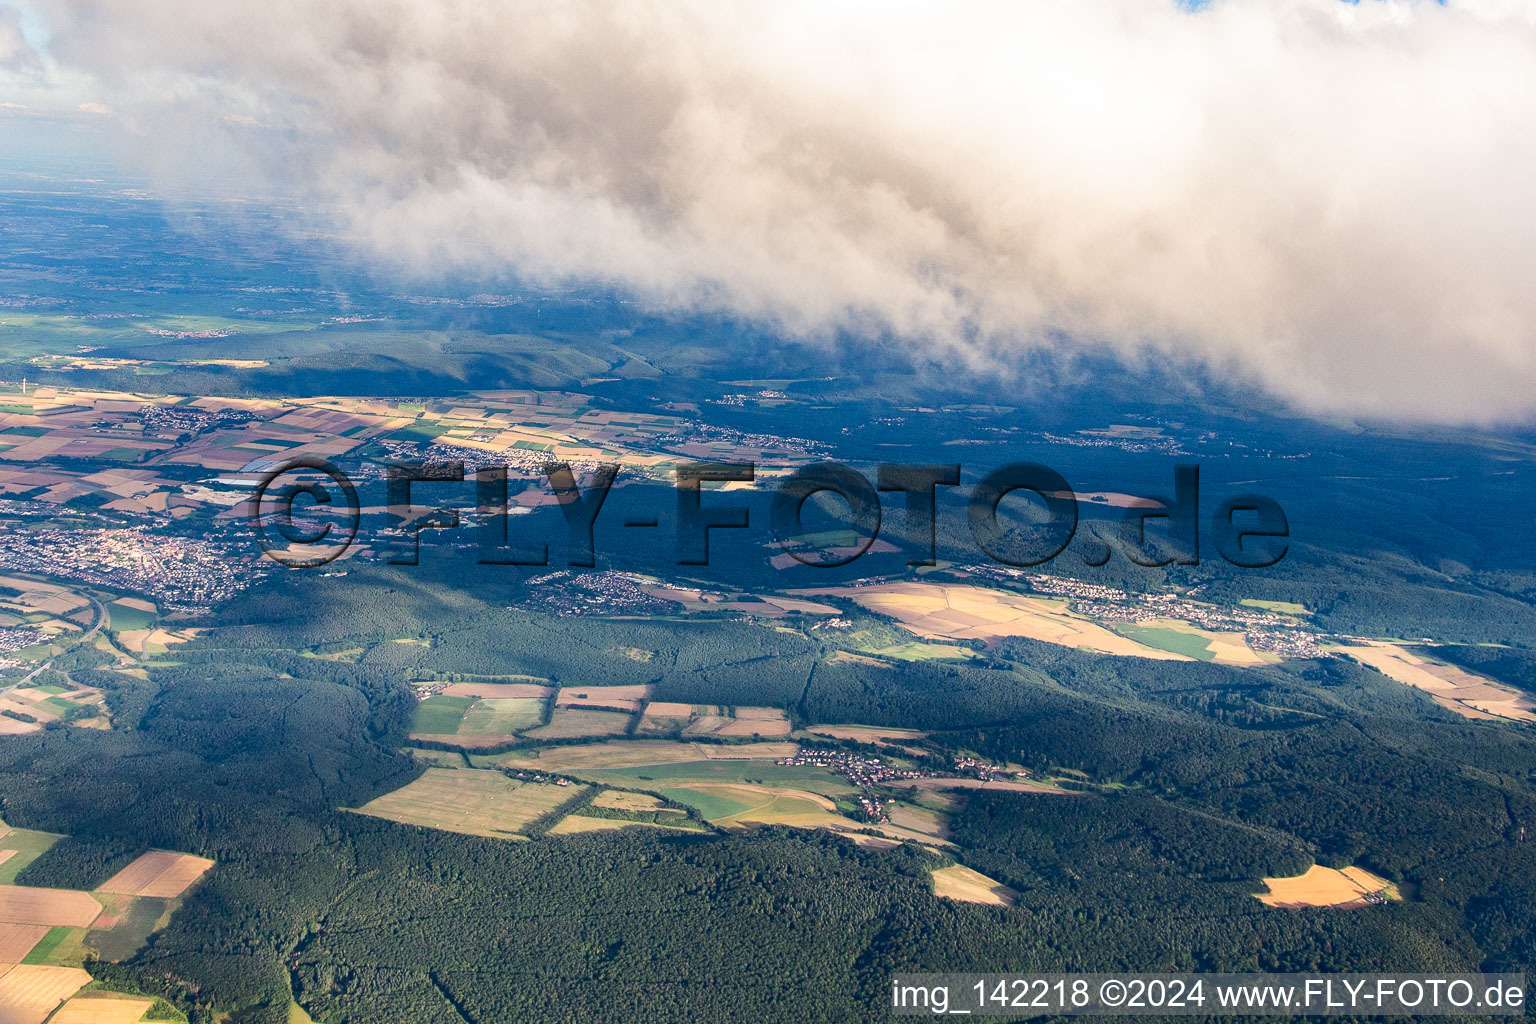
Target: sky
x,y
1330,200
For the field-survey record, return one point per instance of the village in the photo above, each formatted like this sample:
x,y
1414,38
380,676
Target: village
x,y
868,771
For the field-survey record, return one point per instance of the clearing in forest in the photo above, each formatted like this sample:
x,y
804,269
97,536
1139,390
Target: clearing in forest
x,y
1328,887
958,882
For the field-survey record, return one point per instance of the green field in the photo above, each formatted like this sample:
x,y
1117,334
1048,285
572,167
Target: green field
x,y
922,652
124,618
807,777
500,716
440,715
1170,640
29,845
50,943
1283,607
711,805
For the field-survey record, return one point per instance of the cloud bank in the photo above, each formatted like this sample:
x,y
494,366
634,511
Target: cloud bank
x,y
1334,200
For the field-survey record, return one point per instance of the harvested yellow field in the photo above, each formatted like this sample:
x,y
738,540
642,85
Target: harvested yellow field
x,y
668,709
760,714
470,801
1326,887
17,940
625,698
25,904
102,1009
159,873
958,882
575,824
29,993
981,613
757,722
1456,689
498,690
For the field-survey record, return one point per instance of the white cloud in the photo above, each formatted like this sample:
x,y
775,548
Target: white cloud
x,y
1333,199
16,54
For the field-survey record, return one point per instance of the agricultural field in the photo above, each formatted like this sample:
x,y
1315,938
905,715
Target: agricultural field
x,y
78,705
662,718
639,753
916,651
803,777
866,733
440,715
20,847
618,698
619,800
1178,637
1453,688
1014,785
574,723
532,689
576,824
470,801
958,882
501,716
126,925
30,992
128,614
160,874
967,612
918,819
102,1008
1280,607
17,940
477,720
20,904
1345,888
